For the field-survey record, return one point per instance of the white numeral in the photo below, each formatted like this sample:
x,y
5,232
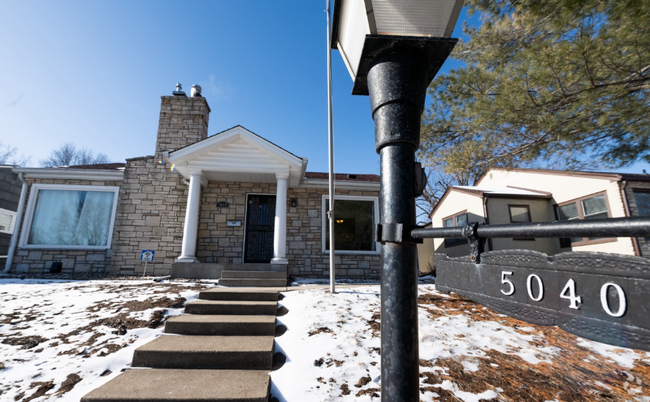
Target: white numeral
x,y
508,281
622,303
570,288
529,285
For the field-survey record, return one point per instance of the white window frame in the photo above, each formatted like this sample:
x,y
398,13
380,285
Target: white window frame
x,y
31,206
324,222
12,222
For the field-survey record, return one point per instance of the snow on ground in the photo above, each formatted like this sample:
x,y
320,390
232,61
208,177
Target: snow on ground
x,y
61,339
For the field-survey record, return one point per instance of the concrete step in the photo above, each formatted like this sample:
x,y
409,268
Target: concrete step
x,y
221,325
250,282
226,307
206,352
144,385
254,274
256,267
240,294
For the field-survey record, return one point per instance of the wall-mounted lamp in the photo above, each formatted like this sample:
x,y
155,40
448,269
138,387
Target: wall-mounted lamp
x,y
294,202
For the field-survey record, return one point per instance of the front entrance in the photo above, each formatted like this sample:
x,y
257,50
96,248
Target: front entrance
x,y
260,221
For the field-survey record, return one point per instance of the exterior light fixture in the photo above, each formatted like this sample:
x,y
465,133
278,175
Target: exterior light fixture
x,y
393,49
294,202
365,28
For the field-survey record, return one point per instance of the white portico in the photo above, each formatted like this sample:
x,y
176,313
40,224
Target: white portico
x,y
238,155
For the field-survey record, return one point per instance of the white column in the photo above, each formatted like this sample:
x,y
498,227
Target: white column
x,y
280,228
188,250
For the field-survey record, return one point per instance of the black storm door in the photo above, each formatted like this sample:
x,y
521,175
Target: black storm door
x,y
260,221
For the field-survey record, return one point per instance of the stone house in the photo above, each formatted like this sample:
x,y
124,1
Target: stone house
x,y
503,196
201,204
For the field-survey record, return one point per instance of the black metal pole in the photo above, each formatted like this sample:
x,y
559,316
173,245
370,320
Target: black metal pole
x,y
397,82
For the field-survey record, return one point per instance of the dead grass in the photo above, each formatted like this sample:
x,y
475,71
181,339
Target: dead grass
x,y
576,373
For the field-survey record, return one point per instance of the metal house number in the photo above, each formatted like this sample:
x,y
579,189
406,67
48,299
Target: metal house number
x,y
568,293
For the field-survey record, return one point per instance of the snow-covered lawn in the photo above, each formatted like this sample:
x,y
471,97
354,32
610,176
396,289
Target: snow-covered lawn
x,y
61,339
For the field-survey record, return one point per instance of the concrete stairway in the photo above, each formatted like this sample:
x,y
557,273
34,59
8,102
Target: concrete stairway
x,y
220,350
257,275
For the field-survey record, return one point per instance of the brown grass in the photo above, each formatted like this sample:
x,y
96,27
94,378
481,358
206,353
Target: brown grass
x,y
576,373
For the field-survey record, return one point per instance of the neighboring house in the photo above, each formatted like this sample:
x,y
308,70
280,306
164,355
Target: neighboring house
x,y
201,204
532,195
10,187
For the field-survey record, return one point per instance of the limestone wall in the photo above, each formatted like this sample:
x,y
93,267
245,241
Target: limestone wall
x,y
219,243
150,216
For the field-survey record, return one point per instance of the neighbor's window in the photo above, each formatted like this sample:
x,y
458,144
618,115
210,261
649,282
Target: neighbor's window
x,y
70,216
7,219
642,199
520,214
591,207
354,225
459,219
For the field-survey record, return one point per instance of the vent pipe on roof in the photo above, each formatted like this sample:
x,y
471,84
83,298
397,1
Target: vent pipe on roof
x,y
196,91
179,90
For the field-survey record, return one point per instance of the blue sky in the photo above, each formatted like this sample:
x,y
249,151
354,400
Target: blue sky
x,y
92,73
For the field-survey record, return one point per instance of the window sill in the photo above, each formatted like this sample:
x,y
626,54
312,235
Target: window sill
x,y
71,248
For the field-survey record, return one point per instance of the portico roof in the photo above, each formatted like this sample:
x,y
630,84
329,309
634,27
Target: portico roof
x,y
238,154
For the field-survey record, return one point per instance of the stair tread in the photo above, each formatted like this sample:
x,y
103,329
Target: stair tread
x,y
234,302
244,293
264,282
138,385
254,274
218,319
209,344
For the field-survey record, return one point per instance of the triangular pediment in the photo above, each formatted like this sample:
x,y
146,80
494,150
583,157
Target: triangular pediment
x,y
238,154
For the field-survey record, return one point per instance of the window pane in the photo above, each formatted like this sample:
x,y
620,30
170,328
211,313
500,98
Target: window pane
x,y
461,220
568,211
71,218
642,204
354,226
519,214
595,205
448,222
6,218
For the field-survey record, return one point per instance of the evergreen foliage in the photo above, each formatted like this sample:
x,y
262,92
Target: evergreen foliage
x,y
553,83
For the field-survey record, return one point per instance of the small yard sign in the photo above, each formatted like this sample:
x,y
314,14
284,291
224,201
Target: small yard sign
x,y
146,256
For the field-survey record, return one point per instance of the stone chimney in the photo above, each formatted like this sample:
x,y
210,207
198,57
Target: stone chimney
x,y
183,121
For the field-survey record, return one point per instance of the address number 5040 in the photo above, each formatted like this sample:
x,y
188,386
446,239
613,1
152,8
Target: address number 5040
x,y
568,293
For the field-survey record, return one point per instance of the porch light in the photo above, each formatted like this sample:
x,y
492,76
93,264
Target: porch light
x,y
362,28
393,49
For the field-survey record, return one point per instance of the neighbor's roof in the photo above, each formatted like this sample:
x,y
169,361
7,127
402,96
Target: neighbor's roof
x,y
575,173
343,176
504,191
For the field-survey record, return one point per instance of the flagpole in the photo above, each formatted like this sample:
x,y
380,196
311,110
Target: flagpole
x,y
330,143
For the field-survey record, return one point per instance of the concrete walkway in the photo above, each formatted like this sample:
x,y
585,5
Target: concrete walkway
x,y
220,350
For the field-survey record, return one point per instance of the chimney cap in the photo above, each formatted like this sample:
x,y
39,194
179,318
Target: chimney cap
x,y
196,91
179,90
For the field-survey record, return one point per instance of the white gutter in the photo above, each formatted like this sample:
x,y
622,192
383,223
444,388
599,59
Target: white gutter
x,y
72,174
19,218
